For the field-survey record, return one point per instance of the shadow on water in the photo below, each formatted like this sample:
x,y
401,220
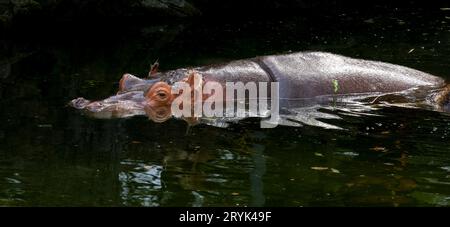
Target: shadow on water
x,y
51,155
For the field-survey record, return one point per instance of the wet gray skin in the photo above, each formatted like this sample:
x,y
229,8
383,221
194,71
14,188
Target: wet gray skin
x,y
302,76
306,75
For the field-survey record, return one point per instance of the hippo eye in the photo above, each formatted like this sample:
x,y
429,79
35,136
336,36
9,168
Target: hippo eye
x,y
161,95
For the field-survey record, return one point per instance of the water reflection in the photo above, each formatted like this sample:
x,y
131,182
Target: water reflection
x,y
256,177
238,166
140,183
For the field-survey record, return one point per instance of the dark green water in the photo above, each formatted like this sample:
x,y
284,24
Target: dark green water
x,y
51,155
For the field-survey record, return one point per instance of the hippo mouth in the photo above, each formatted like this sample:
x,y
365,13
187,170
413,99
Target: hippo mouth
x,y
118,106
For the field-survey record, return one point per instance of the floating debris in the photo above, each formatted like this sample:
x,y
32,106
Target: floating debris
x,y
322,168
436,181
369,21
379,149
335,170
318,154
349,153
12,180
431,198
45,126
410,51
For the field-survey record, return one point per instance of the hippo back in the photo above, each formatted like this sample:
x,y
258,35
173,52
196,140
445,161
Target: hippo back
x,y
240,70
311,74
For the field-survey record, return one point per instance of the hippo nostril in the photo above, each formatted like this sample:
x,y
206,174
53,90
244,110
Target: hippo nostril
x,y
79,103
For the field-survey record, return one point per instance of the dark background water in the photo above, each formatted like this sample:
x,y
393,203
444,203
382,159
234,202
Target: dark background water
x,y
51,155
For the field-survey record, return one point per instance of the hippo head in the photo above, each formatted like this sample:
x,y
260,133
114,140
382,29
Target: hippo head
x,y
137,97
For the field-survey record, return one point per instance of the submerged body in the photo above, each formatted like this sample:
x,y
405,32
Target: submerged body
x,y
301,76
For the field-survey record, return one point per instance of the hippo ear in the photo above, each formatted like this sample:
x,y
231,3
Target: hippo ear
x,y
153,69
128,81
442,99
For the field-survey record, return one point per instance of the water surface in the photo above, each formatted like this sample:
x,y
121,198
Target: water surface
x,y
51,155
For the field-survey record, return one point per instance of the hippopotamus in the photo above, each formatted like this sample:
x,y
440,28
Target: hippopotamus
x,y
303,77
